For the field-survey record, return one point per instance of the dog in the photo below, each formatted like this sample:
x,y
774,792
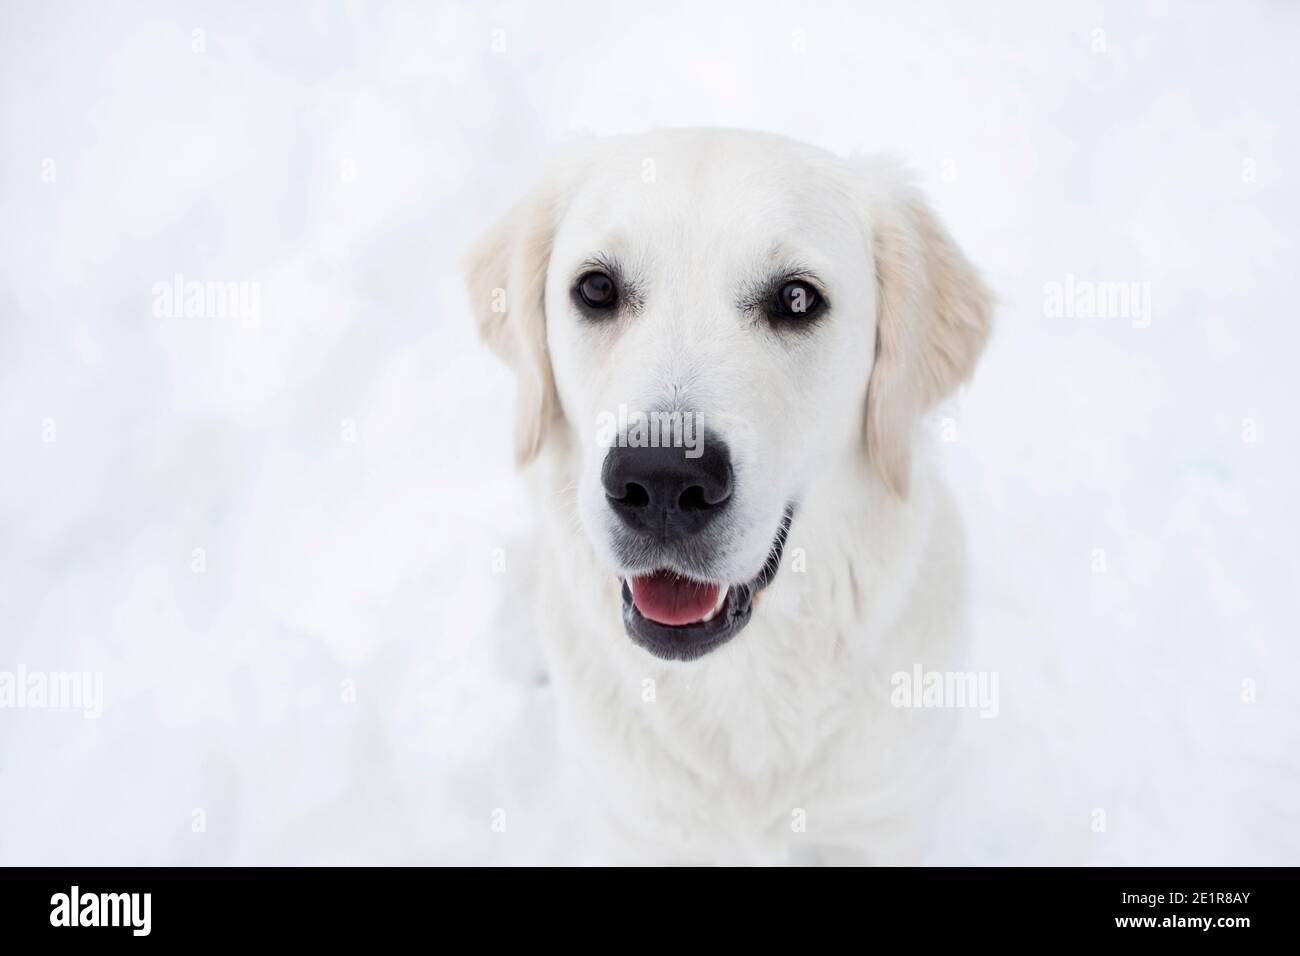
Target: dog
x,y
724,344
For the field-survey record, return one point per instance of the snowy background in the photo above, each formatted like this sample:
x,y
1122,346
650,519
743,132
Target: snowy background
x,y
277,542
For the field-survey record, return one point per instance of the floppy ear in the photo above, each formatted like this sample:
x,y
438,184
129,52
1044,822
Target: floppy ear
x,y
932,320
506,274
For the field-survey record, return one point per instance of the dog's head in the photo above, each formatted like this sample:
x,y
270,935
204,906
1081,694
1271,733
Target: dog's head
x,y
717,316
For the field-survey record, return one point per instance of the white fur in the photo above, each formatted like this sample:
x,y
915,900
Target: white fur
x,y
782,745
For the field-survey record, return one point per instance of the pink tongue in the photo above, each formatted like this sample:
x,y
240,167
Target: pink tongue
x,y
668,598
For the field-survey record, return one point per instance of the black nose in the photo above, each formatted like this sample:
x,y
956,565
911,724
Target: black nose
x,y
664,493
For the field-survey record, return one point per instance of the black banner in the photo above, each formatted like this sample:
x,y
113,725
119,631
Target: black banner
x,y
338,905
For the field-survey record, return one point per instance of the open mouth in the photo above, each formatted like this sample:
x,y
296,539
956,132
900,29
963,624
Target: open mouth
x,y
677,618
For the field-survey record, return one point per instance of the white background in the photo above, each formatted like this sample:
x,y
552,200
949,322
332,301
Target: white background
x,y
344,156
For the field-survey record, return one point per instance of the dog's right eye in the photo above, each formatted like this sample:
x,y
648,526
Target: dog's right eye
x,y
597,291
797,299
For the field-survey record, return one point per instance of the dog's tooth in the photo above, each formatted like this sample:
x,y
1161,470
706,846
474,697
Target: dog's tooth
x,y
717,606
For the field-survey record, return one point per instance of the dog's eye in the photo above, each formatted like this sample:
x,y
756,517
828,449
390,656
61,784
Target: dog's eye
x,y
797,299
597,290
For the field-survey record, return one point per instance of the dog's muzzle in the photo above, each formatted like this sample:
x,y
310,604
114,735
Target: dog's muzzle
x,y
667,502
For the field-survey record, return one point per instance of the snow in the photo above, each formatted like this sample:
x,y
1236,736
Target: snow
x,y
295,548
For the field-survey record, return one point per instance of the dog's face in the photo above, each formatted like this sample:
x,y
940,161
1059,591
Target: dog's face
x,y
705,310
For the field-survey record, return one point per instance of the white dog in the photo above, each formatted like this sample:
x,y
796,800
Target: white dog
x,y
724,343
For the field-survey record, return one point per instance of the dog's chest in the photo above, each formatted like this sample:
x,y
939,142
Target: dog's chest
x,y
761,709
767,748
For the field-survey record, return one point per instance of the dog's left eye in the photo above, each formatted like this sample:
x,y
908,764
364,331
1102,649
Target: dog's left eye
x,y
597,291
796,299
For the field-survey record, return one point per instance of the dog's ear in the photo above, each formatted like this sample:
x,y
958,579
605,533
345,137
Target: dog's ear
x,y
932,320
506,274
